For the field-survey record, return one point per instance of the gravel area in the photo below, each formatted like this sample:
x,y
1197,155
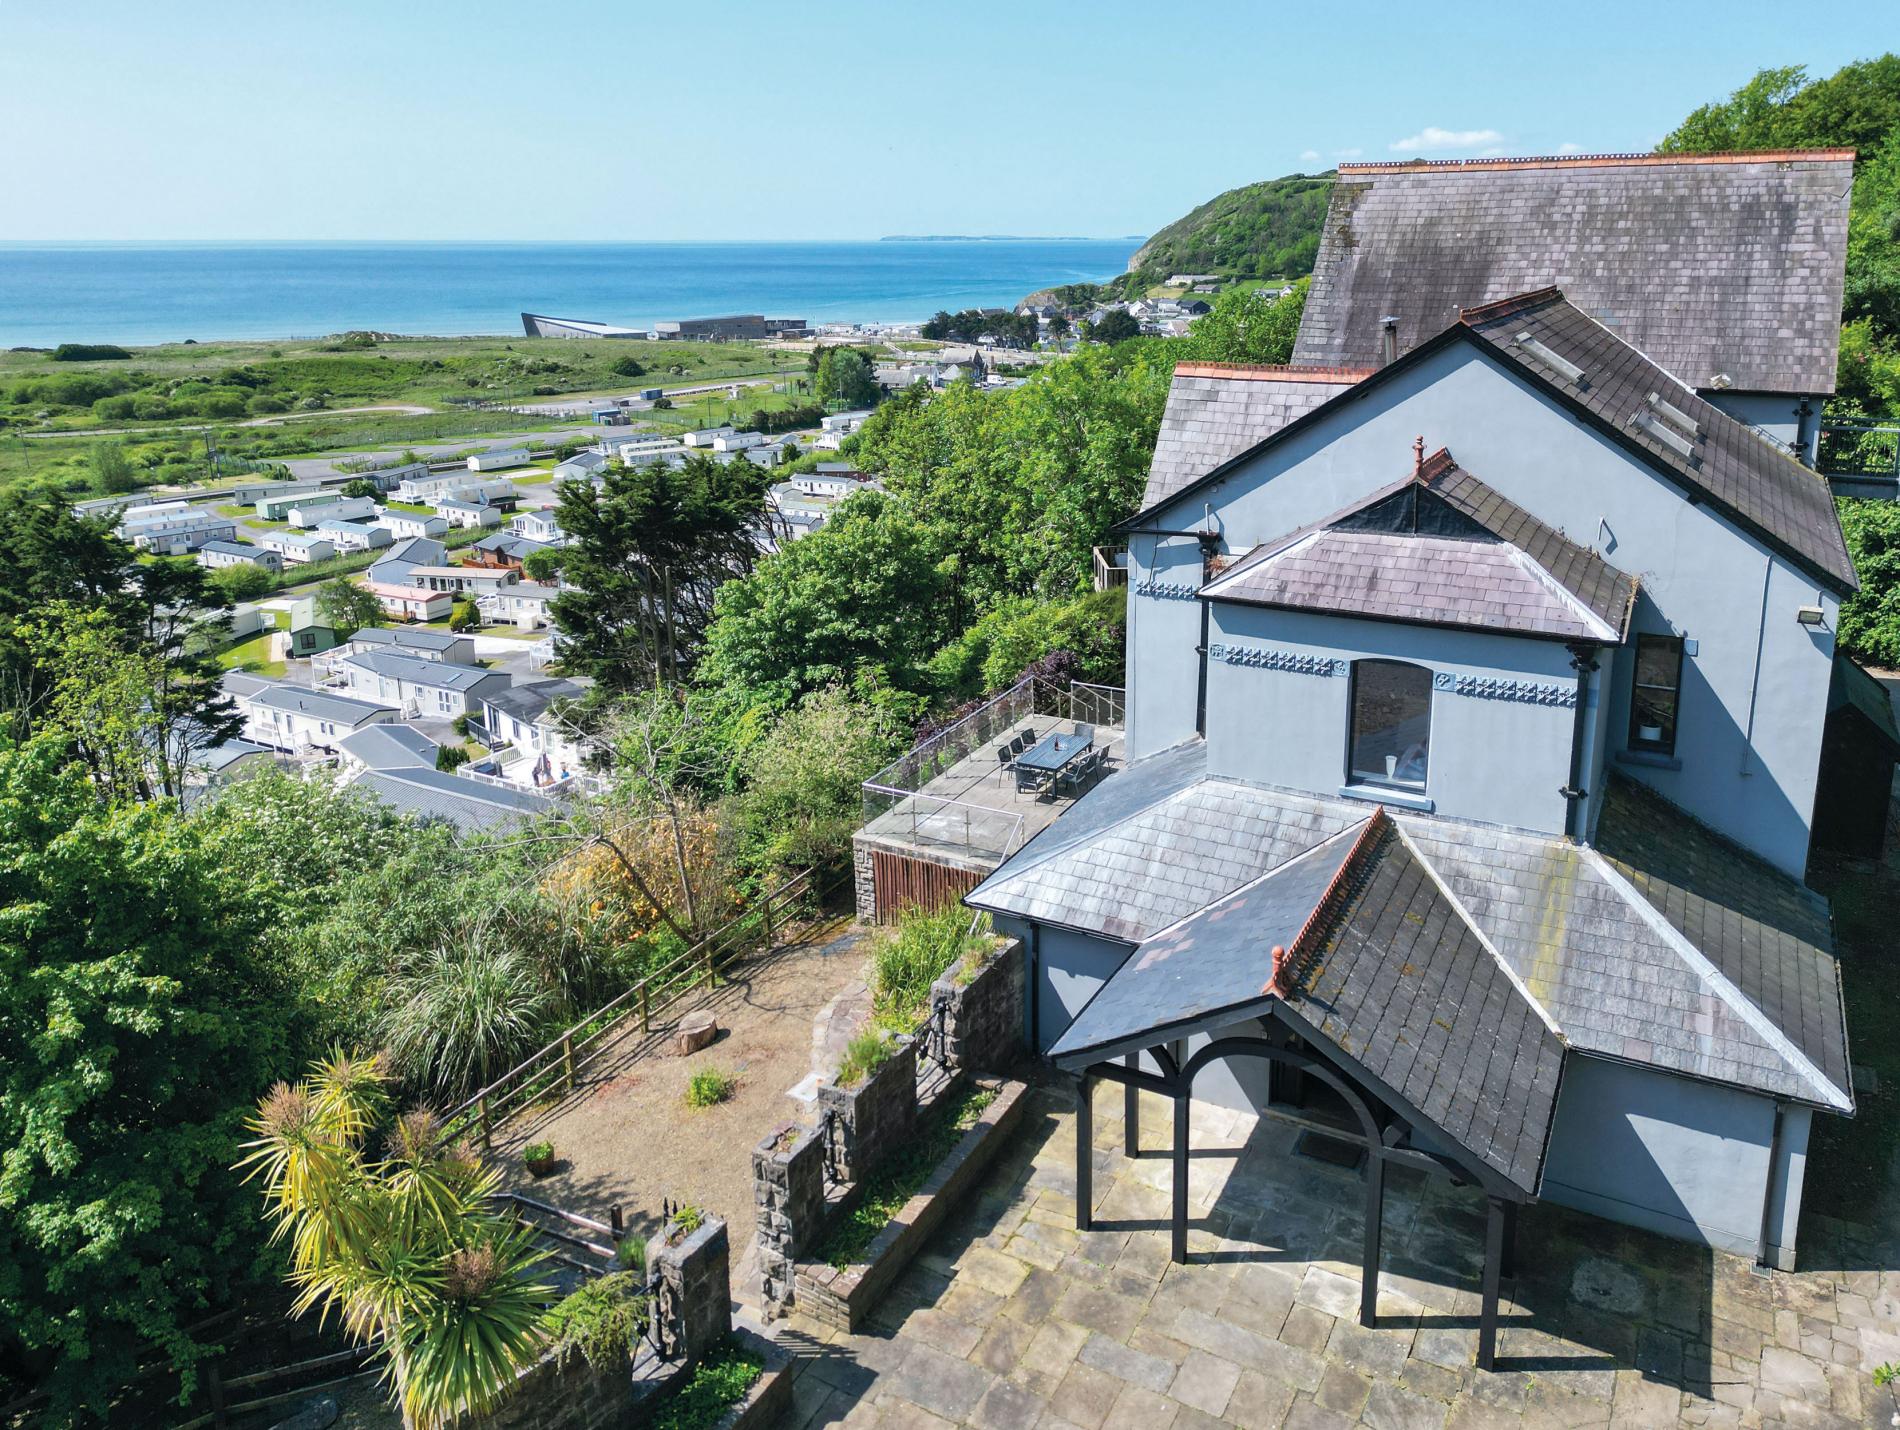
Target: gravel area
x,y
627,1135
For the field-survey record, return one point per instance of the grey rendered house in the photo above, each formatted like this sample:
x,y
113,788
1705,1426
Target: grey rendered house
x,y
1474,727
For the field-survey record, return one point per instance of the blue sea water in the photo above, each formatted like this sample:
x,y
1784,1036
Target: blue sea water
x,y
142,293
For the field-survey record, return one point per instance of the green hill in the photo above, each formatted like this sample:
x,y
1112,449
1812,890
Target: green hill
x,y
1265,230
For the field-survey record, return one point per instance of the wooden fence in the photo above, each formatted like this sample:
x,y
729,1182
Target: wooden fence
x,y
557,1067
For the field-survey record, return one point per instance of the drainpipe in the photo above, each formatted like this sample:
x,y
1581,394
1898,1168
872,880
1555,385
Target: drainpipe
x,y
1583,660
1754,679
1035,986
1200,691
1768,1193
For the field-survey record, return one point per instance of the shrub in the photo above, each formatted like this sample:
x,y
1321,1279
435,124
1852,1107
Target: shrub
x,y
863,1055
450,757
538,1152
719,1382
687,1219
263,404
925,947
464,1012
243,582
626,367
464,617
598,1322
710,1086
90,352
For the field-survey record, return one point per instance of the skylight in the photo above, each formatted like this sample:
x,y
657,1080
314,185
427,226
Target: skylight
x,y
1543,355
1675,416
1663,432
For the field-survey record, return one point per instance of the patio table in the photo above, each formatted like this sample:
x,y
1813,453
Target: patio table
x,y
1048,756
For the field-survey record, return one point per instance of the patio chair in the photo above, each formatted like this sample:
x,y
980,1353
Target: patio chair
x,y
1005,757
1086,731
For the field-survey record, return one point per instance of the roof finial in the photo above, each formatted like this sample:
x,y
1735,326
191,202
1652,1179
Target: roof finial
x,y
1418,455
1279,985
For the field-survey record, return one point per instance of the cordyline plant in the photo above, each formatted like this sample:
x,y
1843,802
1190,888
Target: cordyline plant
x,y
407,1251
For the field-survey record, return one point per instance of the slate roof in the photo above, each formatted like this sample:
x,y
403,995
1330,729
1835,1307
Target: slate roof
x,y
1746,477
296,700
1153,844
1851,686
1713,264
528,700
1212,962
432,794
1741,472
1768,935
1439,548
388,746
1218,410
437,674
403,637
1664,945
1402,983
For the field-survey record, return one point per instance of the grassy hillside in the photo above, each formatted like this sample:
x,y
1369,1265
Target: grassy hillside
x,y
1264,230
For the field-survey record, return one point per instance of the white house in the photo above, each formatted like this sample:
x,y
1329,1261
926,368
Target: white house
x,y
737,441
179,531
216,554
472,580
635,448
386,746
307,512
582,466
301,720
392,568
542,751
424,645
462,515
298,548
355,536
421,688
404,524
277,505
543,526
706,436
411,603
523,603
499,460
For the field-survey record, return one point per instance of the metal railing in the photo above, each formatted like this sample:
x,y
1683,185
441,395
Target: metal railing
x,y
556,1068
949,747
1861,449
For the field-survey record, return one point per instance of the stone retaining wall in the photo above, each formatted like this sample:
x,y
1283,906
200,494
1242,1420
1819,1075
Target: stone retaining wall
x,y
877,1116
788,1187
695,1275
845,1298
570,1396
983,1024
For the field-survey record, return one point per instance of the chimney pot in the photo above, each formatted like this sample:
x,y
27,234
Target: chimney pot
x,y
1418,455
1389,338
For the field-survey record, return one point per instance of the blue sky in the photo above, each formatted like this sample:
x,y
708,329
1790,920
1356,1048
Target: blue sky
x,y
735,119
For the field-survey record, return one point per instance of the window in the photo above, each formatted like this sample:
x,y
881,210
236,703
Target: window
x,y
1391,724
1656,694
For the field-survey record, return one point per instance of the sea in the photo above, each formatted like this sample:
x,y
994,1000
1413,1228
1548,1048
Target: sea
x,y
147,293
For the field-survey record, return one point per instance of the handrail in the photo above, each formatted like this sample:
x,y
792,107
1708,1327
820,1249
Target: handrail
x,y
652,993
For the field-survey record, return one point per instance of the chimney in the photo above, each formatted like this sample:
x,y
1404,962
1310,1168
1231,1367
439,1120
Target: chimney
x,y
1418,455
1389,338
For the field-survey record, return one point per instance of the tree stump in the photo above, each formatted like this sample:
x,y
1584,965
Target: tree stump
x,y
696,1031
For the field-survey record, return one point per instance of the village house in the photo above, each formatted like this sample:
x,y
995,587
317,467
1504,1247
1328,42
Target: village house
x,y
280,502
402,525
393,568
543,526
467,803
463,580
175,530
309,634
425,645
355,535
298,720
216,554
524,604
386,746
436,689
542,749
298,548
329,506
1480,671
463,515
583,466
502,551
500,459
411,603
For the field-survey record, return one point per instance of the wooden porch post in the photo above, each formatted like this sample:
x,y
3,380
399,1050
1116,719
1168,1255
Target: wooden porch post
x,y
1375,1224
1084,1151
1493,1258
1131,1109
1180,1219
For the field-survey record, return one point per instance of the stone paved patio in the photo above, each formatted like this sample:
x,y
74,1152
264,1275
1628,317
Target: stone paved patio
x,y
1013,1320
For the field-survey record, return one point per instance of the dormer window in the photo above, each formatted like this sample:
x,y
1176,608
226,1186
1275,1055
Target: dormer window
x,y
1391,725
1656,694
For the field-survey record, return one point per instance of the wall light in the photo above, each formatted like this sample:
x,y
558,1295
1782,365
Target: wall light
x,y
1810,615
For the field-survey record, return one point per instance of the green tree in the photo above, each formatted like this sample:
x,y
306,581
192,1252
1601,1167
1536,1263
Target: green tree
x,y
1248,325
844,377
361,487
861,597
409,1250
347,608
464,616
802,797
1117,325
243,581
542,565
138,1024
645,553
111,470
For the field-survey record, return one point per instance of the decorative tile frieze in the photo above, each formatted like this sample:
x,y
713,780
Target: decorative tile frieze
x,y
1167,590
1262,658
1530,692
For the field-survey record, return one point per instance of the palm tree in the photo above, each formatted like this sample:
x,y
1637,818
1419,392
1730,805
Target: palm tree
x,y
407,1251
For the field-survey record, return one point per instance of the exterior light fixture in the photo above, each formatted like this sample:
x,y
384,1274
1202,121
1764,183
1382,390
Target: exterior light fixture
x,y
1810,615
